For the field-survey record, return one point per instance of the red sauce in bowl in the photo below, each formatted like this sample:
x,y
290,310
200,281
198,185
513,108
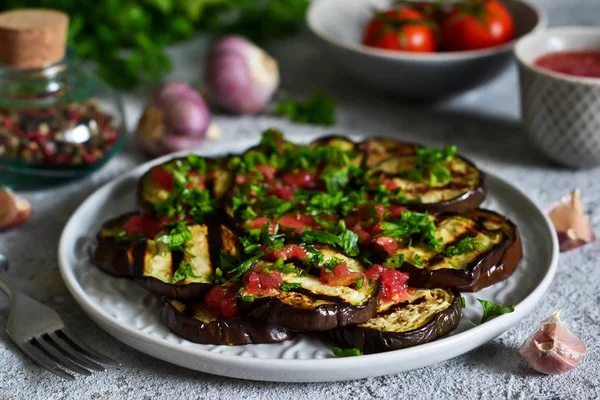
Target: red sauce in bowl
x,y
577,63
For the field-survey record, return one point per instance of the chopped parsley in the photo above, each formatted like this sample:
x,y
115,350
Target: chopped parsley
x,y
430,163
412,224
177,237
463,302
417,260
491,309
465,245
394,261
360,282
286,287
319,109
331,263
248,299
184,270
345,239
341,352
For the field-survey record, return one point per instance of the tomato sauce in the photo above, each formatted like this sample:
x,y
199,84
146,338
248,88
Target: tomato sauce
x,y
576,63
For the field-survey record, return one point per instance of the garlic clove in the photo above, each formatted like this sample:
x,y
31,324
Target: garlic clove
x,y
14,210
553,348
573,227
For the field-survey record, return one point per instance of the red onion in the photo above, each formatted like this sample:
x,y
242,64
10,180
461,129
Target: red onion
x,y
240,77
176,119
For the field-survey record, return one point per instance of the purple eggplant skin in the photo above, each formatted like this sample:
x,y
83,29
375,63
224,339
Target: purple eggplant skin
x,y
111,251
306,319
492,267
223,331
190,291
370,340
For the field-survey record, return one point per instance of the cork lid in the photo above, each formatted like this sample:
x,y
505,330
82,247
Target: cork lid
x,y
33,37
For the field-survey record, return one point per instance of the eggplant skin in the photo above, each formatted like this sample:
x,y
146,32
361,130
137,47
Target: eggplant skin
x,y
492,267
323,317
370,340
111,252
221,331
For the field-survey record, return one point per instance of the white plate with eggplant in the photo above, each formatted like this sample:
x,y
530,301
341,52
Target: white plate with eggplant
x,y
301,261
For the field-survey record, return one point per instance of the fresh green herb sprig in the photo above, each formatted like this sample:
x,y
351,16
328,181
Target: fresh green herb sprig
x,y
341,352
465,245
127,38
178,237
430,162
344,239
286,287
184,270
394,261
412,224
318,110
491,309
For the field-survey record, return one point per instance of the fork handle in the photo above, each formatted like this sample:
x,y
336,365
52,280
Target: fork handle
x,y
6,285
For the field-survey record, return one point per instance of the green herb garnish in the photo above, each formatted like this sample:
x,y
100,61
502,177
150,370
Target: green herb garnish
x,y
417,260
394,261
412,224
286,287
345,239
360,282
491,309
430,162
319,109
465,245
340,352
177,237
463,302
248,299
184,270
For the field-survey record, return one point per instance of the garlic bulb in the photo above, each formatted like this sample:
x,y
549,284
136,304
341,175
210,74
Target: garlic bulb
x,y
572,225
553,348
14,210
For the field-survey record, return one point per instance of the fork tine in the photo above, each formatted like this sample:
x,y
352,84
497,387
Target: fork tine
x,y
70,338
58,357
64,347
41,360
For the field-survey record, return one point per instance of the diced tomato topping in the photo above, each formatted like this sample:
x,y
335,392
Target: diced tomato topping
x,y
259,222
297,222
259,283
241,180
221,302
283,192
135,224
396,211
196,181
390,184
301,179
162,177
340,276
374,272
267,172
393,285
364,237
376,229
289,252
388,244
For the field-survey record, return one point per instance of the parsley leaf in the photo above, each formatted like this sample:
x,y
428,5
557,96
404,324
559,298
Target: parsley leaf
x,y
430,162
412,224
463,302
248,299
491,309
319,109
177,237
184,270
286,287
394,261
345,240
340,352
465,245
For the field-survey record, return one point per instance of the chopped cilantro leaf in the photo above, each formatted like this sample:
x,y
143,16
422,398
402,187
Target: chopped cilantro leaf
x,y
360,282
340,352
394,261
465,245
286,287
248,299
412,224
491,309
417,260
184,270
177,237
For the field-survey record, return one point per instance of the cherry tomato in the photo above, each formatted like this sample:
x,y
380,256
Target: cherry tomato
x,y
404,29
477,24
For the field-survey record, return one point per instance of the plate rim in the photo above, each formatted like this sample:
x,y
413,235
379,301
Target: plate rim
x,y
496,327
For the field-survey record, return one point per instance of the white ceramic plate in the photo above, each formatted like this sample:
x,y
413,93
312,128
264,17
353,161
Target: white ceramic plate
x,y
131,315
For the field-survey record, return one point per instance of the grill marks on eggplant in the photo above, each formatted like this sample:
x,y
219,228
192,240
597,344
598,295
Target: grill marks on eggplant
x,y
424,317
194,322
154,266
110,254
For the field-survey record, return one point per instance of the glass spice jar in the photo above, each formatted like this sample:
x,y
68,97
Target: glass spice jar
x,y
57,121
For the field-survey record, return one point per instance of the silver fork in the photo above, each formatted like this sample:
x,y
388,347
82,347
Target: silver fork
x,y
41,334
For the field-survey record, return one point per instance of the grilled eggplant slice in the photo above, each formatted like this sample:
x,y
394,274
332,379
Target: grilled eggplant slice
x,y
377,150
496,259
112,245
218,181
342,143
314,306
154,267
426,315
465,191
196,324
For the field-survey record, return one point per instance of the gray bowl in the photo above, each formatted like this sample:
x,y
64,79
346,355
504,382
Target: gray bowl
x,y
339,25
561,112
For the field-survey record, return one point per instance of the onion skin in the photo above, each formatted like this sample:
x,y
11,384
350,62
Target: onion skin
x,y
14,210
176,119
573,227
240,77
553,349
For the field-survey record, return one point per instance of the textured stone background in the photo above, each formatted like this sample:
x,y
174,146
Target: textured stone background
x,y
484,123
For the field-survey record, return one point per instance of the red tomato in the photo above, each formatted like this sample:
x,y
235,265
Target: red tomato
x,y
289,252
196,181
259,283
267,172
143,224
393,285
477,24
135,224
390,184
221,302
404,29
162,177
388,244
340,276
297,222
283,192
301,179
